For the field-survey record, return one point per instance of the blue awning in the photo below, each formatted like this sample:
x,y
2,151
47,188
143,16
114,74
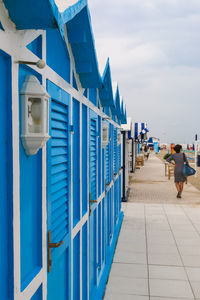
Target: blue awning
x,y
33,14
106,92
117,101
44,14
123,115
80,35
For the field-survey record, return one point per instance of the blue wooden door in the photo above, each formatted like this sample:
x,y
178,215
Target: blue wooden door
x,y
58,194
115,158
93,123
6,245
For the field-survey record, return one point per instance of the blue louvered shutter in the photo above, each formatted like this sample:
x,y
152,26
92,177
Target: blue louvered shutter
x,y
107,162
119,155
115,151
59,171
93,157
58,192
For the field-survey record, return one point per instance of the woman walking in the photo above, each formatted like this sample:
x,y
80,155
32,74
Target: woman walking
x,y
179,159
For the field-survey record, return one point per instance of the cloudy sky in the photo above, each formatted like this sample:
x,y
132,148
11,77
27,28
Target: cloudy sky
x,y
154,51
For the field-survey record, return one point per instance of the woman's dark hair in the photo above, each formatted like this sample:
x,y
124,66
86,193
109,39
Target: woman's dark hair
x,y
178,148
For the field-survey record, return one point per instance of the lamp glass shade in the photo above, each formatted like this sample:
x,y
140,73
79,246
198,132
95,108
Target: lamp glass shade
x,y
34,115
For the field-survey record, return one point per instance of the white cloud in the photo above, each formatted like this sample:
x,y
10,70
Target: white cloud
x,y
154,51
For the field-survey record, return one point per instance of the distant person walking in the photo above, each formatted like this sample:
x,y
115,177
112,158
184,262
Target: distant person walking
x,y
146,151
178,159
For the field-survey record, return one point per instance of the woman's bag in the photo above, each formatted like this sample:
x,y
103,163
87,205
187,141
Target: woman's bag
x,y
188,171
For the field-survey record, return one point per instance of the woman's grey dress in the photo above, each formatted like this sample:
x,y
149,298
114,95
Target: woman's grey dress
x,y
179,159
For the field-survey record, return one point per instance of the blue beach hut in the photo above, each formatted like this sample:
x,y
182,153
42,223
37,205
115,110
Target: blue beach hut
x,y
60,176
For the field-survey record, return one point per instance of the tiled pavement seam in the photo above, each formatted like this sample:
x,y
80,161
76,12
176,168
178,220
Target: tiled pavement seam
x,y
147,250
147,231
180,255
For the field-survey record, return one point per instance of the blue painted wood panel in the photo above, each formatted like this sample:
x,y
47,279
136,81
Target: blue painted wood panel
x,y
109,220
99,239
76,162
103,231
92,253
119,156
6,173
30,204
76,267
120,191
59,192
107,163
111,152
93,95
59,61
99,156
103,170
84,159
58,278
36,46
116,200
84,262
112,210
115,152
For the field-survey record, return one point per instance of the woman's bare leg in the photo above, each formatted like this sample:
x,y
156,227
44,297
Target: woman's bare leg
x,y
181,187
177,186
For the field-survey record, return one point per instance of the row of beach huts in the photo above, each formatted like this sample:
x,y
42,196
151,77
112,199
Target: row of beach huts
x,y
63,154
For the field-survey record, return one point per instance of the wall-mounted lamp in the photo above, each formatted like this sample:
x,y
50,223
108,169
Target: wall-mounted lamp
x,y
105,134
118,137
34,115
40,63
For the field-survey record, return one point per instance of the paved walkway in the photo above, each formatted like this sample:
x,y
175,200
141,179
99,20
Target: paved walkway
x,y
158,251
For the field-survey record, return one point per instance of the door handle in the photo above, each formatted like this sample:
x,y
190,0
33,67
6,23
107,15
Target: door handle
x,y
50,246
91,201
55,245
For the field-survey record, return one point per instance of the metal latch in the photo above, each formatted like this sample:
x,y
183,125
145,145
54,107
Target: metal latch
x,y
90,202
50,246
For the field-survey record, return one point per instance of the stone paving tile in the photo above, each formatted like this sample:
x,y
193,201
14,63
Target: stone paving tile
x,y
188,250
161,298
158,251
164,259
170,288
125,297
130,257
185,234
129,270
125,285
166,272
188,241
193,274
162,249
196,288
191,260
131,247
